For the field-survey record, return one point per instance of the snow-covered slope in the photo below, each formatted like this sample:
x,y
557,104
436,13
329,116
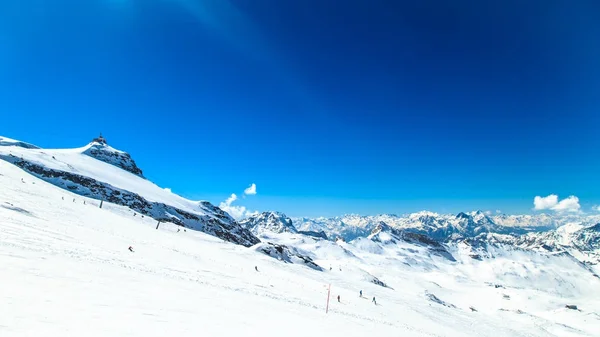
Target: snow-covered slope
x,y
102,172
66,271
4,141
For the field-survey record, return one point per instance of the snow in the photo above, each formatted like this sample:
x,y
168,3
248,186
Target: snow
x,y
66,271
76,161
5,141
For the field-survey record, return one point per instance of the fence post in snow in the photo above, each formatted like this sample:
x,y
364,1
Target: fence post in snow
x,y
101,201
157,224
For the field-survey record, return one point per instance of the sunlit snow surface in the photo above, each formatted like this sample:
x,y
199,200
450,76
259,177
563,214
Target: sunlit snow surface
x,y
66,271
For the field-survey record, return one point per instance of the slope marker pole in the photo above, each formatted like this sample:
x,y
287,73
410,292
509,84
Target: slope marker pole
x,y
328,293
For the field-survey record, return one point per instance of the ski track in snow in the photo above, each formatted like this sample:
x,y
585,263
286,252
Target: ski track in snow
x,y
66,271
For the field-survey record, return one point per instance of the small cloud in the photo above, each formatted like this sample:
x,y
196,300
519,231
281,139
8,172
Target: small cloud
x,y
488,212
230,200
551,202
251,190
236,212
498,211
542,203
596,208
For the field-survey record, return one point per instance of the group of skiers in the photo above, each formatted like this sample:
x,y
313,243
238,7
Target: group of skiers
x,y
374,301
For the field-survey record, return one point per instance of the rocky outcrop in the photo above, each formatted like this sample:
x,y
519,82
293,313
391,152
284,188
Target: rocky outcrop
x,y
287,254
388,235
107,154
436,299
316,235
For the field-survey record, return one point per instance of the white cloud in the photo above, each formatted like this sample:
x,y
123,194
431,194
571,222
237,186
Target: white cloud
x,y
230,200
570,204
596,208
236,212
251,190
541,203
551,202
498,211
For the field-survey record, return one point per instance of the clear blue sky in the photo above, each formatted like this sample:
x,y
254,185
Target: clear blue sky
x,y
330,107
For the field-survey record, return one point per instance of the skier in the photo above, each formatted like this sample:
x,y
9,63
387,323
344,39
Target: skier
x,y
374,300
131,249
256,268
360,293
178,229
338,298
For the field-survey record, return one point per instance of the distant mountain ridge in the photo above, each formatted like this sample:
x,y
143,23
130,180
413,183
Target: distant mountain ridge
x,y
575,234
442,227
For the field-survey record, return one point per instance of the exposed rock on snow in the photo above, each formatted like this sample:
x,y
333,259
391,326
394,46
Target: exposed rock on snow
x,y
107,154
435,299
317,235
380,283
387,235
286,254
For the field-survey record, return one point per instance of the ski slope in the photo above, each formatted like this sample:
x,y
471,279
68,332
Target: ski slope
x,y
77,161
66,271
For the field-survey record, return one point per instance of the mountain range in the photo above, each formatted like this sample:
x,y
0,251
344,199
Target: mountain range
x,y
75,211
102,172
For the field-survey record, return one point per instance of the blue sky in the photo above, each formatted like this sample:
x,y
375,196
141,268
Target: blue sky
x,y
366,107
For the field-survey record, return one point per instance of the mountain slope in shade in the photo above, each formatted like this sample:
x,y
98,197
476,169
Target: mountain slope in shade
x,y
104,173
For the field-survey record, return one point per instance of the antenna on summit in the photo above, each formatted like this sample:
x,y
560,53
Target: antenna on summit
x,y
100,139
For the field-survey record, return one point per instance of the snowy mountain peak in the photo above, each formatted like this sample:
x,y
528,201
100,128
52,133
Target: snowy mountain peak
x,y
380,227
100,150
269,222
462,215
